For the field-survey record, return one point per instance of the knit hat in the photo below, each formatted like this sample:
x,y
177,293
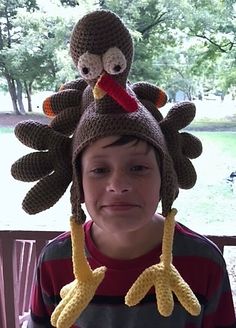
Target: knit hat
x,y
102,103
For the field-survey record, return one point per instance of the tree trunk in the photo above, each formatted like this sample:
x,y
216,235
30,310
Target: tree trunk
x,y
19,96
28,90
12,91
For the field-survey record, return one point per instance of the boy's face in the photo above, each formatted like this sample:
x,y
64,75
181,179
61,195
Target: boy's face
x,y
121,184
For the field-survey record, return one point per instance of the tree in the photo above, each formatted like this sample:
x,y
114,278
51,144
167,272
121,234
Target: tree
x,y
38,58
8,36
197,33
43,38
148,21
179,44
212,25
32,57
71,3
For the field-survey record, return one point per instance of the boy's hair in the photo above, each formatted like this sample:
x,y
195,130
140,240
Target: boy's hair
x,y
126,139
100,104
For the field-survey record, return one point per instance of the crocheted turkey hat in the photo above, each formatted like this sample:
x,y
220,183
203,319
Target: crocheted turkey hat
x,y
173,147
100,104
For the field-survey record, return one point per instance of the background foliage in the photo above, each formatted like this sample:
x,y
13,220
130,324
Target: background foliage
x,y
187,46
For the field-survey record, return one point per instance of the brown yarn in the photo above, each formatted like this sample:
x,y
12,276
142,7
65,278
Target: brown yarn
x,y
77,113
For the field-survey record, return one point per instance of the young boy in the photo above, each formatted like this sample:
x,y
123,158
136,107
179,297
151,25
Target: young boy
x,y
128,266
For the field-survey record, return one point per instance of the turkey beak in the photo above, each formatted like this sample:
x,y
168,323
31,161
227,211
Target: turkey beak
x,y
98,92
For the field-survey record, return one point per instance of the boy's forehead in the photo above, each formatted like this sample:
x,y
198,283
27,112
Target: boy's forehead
x,y
103,144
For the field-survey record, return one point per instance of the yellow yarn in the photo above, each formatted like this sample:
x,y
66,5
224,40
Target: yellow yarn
x,y
98,92
165,278
77,294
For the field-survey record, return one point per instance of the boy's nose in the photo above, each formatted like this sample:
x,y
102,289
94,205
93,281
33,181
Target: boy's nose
x,y
118,183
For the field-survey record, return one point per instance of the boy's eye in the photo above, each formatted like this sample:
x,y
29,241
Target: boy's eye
x,y
99,170
139,168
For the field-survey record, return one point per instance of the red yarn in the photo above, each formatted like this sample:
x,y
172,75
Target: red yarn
x,y
119,94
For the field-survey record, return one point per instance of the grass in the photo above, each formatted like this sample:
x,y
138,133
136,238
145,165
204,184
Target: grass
x,y
225,141
213,126
210,205
227,123
196,126
4,129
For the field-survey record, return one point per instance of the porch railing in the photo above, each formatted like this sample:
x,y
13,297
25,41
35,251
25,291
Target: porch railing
x,y
19,252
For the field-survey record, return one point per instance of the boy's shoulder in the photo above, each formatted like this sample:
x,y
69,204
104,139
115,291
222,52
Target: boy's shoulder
x,y
60,247
187,243
190,243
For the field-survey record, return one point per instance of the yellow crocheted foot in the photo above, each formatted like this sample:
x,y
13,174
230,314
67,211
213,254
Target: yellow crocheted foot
x,y
77,295
75,298
165,278
165,281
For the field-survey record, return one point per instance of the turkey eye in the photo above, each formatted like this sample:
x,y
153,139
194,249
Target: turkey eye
x,y
114,61
85,70
89,66
117,68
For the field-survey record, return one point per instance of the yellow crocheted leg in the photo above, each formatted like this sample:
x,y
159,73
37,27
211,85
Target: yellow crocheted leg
x,y
165,278
77,294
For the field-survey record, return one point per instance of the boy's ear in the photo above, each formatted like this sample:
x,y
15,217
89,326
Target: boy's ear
x,y
76,196
79,179
81,195
76,191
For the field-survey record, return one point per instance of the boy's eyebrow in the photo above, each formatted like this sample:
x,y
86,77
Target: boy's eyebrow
x,y
132,154
97,156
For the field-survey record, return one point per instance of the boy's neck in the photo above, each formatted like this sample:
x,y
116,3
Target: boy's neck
x,y
131,245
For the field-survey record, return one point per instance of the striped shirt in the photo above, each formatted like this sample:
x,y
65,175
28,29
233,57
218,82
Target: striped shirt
x,y
196,258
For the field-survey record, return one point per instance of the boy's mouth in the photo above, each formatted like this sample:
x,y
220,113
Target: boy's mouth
x,y
119,206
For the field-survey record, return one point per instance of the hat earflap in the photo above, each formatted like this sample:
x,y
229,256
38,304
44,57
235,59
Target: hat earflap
x,y
76,295
165,279
164,276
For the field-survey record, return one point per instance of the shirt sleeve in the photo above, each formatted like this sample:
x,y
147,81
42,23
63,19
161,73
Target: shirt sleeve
x,y
42,304
219,311
49,280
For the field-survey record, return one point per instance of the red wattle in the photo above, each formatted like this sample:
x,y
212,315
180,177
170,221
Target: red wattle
x,y
119,94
